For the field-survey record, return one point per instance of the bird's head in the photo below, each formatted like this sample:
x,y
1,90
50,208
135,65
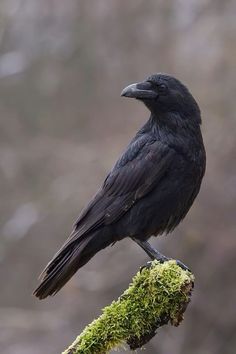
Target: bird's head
x,y
163,94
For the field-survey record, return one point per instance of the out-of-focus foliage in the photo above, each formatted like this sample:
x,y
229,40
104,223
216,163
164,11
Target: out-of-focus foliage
x,y
63,124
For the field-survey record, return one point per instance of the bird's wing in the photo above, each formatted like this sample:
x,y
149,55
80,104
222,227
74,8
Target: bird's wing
x,y
135,174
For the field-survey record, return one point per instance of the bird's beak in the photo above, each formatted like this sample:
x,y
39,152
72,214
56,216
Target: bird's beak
x,y
141,90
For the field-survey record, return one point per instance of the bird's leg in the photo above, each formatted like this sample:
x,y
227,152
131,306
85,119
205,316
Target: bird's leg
x,y
154,254
151,252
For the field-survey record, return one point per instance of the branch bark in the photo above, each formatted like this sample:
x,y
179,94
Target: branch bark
x,y
158,295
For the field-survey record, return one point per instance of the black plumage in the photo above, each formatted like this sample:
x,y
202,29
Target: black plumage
x,y
149,190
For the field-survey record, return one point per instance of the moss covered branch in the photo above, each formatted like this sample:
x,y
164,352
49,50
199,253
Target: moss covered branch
x,y
157,296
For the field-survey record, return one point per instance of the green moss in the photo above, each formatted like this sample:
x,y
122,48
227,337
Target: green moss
x,y
156,296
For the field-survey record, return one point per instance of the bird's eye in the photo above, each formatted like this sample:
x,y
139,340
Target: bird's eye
x,y
162,88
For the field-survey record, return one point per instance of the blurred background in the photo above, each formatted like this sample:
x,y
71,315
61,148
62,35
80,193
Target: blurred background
x,y
63,123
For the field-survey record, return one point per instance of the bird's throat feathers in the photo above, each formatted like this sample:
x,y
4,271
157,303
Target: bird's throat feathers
x,y
175,123
173,130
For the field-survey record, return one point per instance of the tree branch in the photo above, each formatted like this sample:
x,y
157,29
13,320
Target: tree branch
x,y
158,295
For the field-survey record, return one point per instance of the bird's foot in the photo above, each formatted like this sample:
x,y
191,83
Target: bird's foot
x,y
154,254
160,258
179,263
163,259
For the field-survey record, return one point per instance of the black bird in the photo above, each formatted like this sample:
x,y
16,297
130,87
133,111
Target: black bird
x,y
149,190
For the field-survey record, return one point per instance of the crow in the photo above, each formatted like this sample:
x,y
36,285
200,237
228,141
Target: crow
x,y
149,190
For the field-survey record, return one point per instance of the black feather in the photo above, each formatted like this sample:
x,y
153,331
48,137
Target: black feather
x,y
151,187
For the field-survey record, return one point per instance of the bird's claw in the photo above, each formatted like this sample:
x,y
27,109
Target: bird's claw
x,y
148,265
182,265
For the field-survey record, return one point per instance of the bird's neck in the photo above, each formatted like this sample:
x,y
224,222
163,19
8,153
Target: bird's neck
x,y
173,130
172,124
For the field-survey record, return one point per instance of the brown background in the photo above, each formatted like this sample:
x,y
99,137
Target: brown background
x,y
62,126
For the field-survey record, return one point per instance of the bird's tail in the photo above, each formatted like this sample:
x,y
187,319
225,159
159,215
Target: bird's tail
x,y
67,261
